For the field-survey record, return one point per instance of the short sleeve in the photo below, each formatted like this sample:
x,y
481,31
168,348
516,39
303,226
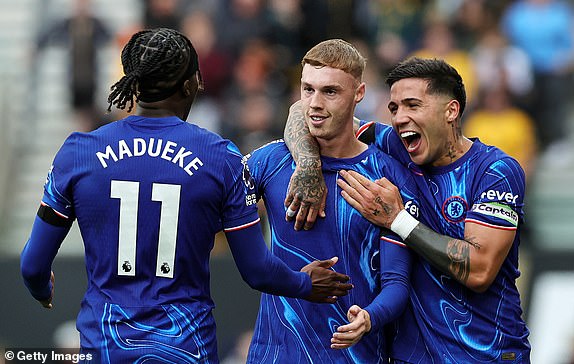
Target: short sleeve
x,y
499,199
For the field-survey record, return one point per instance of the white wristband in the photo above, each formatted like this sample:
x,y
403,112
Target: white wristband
x,y
404,224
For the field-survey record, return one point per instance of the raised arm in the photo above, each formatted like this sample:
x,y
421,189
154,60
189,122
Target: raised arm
x,y
473,261
307,191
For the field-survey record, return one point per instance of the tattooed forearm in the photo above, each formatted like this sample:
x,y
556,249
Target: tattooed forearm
x,y
301,143
450,256
458,252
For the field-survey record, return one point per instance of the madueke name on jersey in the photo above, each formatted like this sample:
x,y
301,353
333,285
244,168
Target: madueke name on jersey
x,y
156,148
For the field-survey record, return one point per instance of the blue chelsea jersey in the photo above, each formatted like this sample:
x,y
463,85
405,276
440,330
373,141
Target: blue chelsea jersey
x,y
149,196
296,331
446,322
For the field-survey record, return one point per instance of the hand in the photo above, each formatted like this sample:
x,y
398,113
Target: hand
x,y
379,202
47,303
350,334
306,196
327,284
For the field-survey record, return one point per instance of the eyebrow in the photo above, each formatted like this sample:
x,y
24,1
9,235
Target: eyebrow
x,y
334,86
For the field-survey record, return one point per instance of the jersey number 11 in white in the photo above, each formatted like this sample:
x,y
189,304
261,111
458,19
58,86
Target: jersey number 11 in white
x,y
169,196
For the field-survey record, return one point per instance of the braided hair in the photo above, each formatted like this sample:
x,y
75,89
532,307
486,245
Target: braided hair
x,y
156,63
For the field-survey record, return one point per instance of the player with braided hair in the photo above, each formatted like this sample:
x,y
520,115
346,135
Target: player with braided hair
x,y
150,192
156,64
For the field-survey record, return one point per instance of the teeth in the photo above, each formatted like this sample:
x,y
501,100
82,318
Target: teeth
x,y
316,118
407,134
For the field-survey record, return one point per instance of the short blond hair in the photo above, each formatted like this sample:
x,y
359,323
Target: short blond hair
x,y
339,54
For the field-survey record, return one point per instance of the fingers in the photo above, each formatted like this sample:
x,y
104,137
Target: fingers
x,y
311,217
330,299
290,212
301,217
350,334
383,182
327,263
347,338
352,188
292,205
304,210
357,180
344,332
353,312
47,303
342,289
352,197
289,198
323,205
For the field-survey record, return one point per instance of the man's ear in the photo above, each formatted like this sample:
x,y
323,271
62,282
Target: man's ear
x,y
452,111
360,92
186,89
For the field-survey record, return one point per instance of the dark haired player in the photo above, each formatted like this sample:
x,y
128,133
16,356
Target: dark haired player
x,y
150,192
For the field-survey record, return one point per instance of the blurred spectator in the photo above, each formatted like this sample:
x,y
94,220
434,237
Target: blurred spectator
x,y
162,14
496,121
287,19
400,25
241,21
544,30
438,41
215,63
257,90
498,62
373,106
469,20
324,19
84,34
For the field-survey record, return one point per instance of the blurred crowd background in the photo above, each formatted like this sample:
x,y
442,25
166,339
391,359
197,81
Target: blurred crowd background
x,y
58,59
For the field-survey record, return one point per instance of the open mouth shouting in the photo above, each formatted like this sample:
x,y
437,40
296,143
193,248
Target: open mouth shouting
x,y
411,140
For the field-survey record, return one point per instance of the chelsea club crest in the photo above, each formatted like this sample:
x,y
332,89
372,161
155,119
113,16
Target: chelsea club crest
x,y
454,209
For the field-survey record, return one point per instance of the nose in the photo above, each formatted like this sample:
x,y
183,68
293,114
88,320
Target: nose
x,y
400,117
316,101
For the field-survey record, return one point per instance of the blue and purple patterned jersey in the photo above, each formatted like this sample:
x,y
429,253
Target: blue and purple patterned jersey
x,y
295,331
447,322
149,196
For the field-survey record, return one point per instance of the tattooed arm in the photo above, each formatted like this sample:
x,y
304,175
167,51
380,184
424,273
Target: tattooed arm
x,y
474,261
307,191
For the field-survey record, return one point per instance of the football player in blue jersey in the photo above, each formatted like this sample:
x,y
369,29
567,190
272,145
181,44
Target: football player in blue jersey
x,y
150,192
289,330
464,303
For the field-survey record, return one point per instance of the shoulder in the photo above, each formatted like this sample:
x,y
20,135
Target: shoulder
x,y
494,159
369,131
270,151
268,159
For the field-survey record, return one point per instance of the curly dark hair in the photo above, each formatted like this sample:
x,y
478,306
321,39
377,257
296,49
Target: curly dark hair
x,y
156,62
